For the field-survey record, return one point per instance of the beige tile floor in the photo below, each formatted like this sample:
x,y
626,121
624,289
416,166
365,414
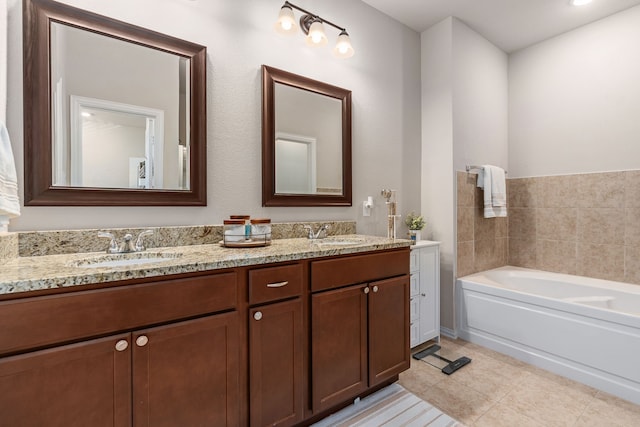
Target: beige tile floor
x,y
495,390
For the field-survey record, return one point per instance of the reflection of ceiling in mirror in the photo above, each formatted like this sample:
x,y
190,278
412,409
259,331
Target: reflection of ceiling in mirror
x,y
97,119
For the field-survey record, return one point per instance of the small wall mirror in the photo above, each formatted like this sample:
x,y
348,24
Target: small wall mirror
x,y
306,141
114,114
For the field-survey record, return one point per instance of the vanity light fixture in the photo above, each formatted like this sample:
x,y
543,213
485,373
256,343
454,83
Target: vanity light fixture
x,y
312,26
579,2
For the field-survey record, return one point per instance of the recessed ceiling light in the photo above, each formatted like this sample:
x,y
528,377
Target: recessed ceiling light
x,y
580,2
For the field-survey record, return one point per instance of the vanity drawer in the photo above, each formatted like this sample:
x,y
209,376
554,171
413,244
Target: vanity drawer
x,y
42,321
336,272
275,283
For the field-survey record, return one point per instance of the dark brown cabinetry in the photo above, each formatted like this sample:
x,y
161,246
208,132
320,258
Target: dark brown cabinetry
x,y
359,333
88,383
276,352
389,346
275,366
339,346
181,373
275,345
186,373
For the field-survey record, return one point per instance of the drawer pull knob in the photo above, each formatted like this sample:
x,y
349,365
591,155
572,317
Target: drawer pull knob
x,y
375,289
424,295
122,345
257,315
142,340
366,290
277,285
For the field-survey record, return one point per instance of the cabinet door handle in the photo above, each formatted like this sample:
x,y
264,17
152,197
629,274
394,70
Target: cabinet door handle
x,y
278,284
257,315
142,340
375,288
424,295
366,290
122,345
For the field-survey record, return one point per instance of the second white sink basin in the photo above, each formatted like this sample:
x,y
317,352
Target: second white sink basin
x,y
126,260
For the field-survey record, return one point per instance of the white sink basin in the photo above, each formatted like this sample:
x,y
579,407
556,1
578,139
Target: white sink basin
x,y
340,241
126,260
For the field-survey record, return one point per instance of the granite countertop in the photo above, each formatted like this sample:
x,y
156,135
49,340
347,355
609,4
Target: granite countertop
x,y
25,274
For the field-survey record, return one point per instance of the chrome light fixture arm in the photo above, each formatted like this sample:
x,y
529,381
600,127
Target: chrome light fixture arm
x,y
308,18
311,25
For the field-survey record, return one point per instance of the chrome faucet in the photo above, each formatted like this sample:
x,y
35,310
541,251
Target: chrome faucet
x,y
127,245
320,234
140,240
113,245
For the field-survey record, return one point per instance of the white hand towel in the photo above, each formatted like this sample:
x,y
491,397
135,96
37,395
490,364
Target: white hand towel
x,y
492,180
3,60
9,202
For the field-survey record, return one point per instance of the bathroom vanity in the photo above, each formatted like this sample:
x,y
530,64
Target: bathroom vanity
x,y
282,335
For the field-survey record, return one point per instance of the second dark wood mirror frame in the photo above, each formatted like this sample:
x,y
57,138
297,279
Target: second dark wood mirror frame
x,y
271,76
39,191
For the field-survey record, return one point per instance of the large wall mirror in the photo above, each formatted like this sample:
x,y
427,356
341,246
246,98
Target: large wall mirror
x,y
114,114
306,141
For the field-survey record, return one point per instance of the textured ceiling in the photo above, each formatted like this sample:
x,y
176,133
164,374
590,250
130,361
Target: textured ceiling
x,y
509,24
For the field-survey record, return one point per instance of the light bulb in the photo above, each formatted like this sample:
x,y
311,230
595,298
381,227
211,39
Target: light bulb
x,y
343,47
316,36
286,23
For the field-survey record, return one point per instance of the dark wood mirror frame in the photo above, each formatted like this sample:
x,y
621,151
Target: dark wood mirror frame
x,y
271,76
39,191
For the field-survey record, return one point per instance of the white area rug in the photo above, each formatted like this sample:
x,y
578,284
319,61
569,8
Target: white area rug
x,y
392,406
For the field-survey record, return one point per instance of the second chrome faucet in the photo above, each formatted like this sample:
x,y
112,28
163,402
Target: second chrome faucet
x,y
127,244
320,234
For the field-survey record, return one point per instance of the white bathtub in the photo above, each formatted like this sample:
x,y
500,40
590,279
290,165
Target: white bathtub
x,y
582,328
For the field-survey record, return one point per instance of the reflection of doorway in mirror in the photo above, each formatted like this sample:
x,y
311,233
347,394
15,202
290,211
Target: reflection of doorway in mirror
x,y
105,135
295,164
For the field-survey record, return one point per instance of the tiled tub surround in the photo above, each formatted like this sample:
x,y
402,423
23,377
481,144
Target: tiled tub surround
x,y
38,243
481,242
587,224
24,274
583,224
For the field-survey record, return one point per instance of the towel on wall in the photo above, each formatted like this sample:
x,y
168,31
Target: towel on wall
x,y
3,60
492,180
9,202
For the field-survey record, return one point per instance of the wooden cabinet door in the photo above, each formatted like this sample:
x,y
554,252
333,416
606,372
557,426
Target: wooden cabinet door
x,y
186,373
389,340
83,384
338,345
276,364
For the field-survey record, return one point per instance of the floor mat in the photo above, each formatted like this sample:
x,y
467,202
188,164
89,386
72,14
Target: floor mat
x,y
393,406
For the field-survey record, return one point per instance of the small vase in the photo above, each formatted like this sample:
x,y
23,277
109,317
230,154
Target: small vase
x,y
415,236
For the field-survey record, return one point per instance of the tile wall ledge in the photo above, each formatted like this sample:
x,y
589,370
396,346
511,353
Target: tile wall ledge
x,y
57,242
